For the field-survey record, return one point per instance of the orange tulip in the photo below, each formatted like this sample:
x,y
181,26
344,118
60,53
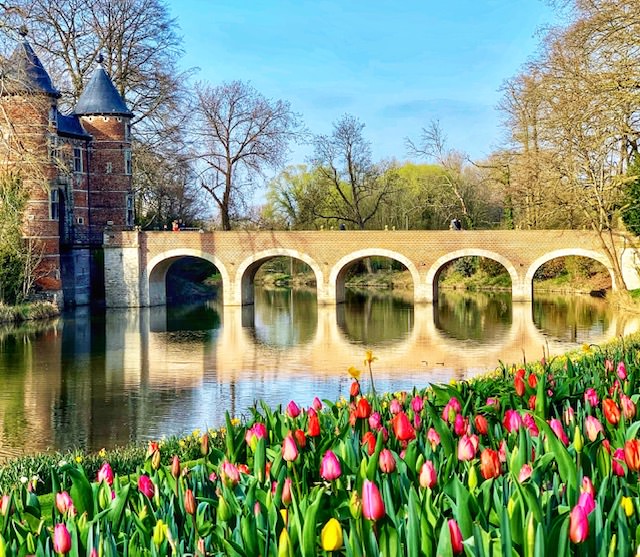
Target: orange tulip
x,y
482,426
369,439
490,464
632,454
611,411
314,426
363,409
518,383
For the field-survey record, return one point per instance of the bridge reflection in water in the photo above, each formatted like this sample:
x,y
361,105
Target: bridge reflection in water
x,y
145,374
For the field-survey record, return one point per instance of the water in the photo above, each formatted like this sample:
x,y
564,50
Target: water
x,y
93,381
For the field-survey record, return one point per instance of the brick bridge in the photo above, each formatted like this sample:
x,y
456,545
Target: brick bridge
x,y
136,262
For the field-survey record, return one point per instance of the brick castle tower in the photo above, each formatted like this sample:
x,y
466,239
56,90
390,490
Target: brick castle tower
x,y
77,168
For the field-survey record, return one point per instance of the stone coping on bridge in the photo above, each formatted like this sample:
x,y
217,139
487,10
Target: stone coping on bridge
x,y
136,262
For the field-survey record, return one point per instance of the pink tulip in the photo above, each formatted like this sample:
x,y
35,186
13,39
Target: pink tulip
x,y
460,425
621,371
456,537
372,503
502,451
395,406
64,502
587,486
512,421
525,473
587,502
591,396
417,403
608,365
289,448
451,409
493,403
386,461
628,407
317,404
286,491
578,525
254,433
375,421
330,467
592,427
229,473
616,463
4,505
105,473
434,438
293,410
556,427
428,476
466,448
568,416
530,424
61,539
145,486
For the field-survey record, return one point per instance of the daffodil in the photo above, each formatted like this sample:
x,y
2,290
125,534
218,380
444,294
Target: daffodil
x,y
354,372
369,358
331,535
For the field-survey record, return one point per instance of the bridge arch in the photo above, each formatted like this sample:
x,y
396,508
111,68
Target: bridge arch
x,y
246,272
155,274
567,252
339,270
434,271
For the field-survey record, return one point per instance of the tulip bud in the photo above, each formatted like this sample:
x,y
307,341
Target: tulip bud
x,y
204,444
456,537
159,533
224,511
331,535
155,460
578,525
175,467
189,502
355,505
578,441
428,477
284,544
61,539
473,478
386,461
330,467
372,503
627,505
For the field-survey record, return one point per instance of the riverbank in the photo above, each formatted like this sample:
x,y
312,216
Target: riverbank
x,y
27,312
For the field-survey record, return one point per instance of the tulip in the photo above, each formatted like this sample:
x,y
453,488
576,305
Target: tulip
x,y
490,464
255,432
300,438
628,407
493,403
608,365
611,411
578,525
5,505
289,448
331,535
592,427
372,503
417,422
145,486
482,426
568,416
189,502
616,463
456,537
532,402
632,454
556,426
375,421
451,409
591,396
417,403
428,477
293,410
518,384
512,421
105,473
313,429
502,451
587,502
63,502
460,425
402,427
330,467
386,461
363,408
466,448
627,506
286,491
369,439
317,404
152,447
434,438
204,444
229,473
621,371
395,406
587,486
354,390
530,423
355,505
532,380
578,440
155,460
159,532
175,466
525,473
61,539
284,544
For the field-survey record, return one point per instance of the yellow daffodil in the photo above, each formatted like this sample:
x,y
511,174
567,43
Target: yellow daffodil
x,y
331,535
102,453
369,358
79,459
235,422
354,372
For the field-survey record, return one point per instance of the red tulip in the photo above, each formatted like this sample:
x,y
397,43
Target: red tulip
x,y
632,454
105,473
286,491
289,448
313,429
363,408
466,448
243,469
518,384
482,426
456,537
578,525
330,467
354,391
532,402
300,437
190,502
386,461
490,464
372,503
61,539
369,439
611,411
145,486
293,409
402,427
428,477
532,380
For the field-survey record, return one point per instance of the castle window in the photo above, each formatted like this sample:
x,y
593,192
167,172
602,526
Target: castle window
x,y
128,164
129,210
77,159
127,132
109,168
54,149
54,204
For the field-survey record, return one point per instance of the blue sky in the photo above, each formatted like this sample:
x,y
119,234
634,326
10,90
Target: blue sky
x,y
394,65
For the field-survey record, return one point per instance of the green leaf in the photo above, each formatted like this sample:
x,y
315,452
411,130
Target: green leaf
x,y
444,548
309,528
81,492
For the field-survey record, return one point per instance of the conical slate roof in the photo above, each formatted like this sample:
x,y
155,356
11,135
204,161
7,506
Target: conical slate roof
x,y
101,97
25,73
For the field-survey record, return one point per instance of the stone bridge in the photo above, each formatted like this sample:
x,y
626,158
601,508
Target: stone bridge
x,y
136,262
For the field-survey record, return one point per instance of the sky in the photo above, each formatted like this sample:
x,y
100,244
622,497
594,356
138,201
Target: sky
x,y
396,66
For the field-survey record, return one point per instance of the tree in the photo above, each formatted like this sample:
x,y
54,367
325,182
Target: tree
x,y
240,134
353,186
631,206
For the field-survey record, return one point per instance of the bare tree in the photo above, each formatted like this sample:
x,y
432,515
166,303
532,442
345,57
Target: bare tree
x,y
353,186
239,134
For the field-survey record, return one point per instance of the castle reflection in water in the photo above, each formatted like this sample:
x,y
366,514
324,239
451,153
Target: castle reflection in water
x,y
94,381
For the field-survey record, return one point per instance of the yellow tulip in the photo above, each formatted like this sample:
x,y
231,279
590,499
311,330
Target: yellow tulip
x,y
284,544
331,535
355,373
627,506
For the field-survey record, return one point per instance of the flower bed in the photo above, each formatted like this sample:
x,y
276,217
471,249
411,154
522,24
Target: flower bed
x,y
538,460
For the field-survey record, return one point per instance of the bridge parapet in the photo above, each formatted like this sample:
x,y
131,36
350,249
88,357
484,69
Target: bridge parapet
x,y
136,262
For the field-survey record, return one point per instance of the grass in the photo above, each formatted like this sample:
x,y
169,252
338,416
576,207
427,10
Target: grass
x,y
27,312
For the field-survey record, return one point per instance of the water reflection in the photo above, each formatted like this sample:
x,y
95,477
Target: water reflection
x,y
97,381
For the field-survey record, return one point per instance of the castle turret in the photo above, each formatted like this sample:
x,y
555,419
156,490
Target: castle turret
x,y
104,114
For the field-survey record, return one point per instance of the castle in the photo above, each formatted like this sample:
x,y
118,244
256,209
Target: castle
x,y
77,168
